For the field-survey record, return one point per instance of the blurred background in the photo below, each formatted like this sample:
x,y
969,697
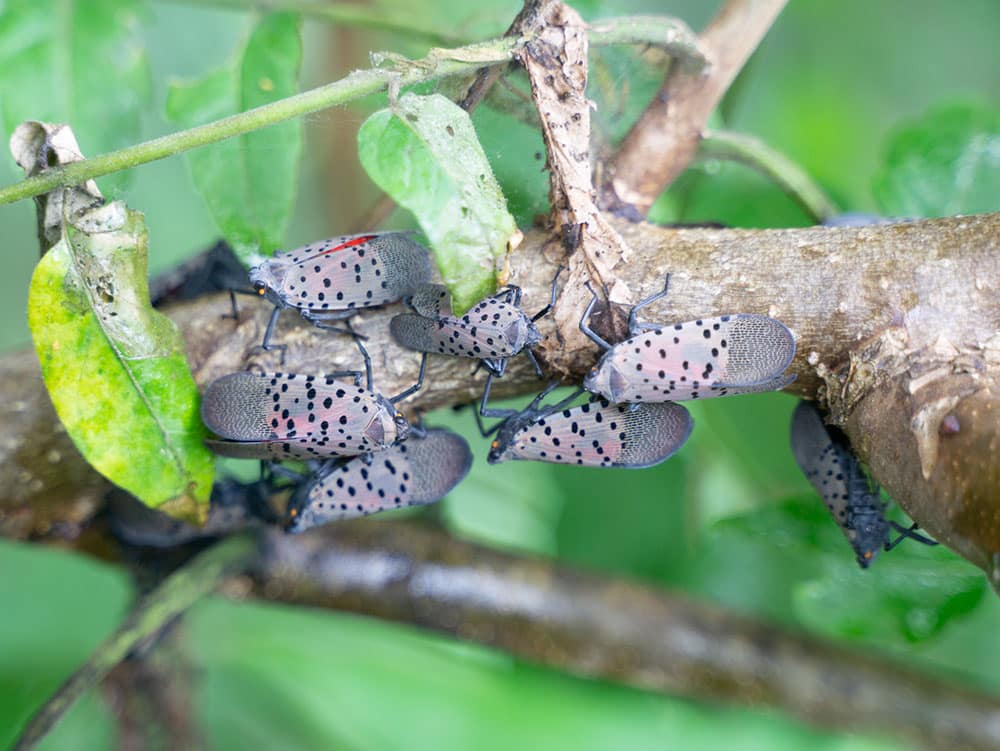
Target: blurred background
x,y
730,519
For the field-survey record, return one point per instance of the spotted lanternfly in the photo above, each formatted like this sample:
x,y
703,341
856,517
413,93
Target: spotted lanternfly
x,y
330,280
422,470
596,434
825,457
493,330
287,416
722,356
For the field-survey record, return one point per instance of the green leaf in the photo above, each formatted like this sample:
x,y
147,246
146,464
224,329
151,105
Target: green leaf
x,y
946,163
270,675
910,596
790,561
248,182
49,53
115,368
424,153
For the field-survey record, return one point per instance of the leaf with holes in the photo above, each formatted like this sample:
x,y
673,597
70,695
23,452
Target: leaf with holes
x,y
115,368
423,151
249,182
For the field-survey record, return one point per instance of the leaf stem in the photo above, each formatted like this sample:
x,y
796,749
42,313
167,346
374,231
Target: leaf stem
x,y
754,153
360,83
671,34
177,593
438,63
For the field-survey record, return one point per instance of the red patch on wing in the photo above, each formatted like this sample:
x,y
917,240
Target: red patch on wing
x,y
353,242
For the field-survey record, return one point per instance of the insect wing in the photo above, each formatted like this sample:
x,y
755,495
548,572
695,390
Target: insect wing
x,y
492,329
353,271
600,434
337,417
709,357
836,475
430,300
449,336
414,473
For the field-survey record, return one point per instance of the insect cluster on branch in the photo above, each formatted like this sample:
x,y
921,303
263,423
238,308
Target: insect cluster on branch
x,y
364,455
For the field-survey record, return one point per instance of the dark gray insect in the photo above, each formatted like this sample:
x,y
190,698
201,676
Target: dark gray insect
x,y
596,434
493,330
330,280
422,470
288,416
214,270
234,505
826,459
722,356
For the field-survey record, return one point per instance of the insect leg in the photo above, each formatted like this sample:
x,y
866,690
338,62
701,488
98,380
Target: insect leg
x,y
567,401
552,297
484,411
369,380
633,326
235,314
321,320
415,387
269,332
534,362
908,533
585,328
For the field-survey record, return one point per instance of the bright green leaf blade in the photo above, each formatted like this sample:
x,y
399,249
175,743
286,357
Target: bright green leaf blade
x,y
116,369
944,164
49,53
425,154
248,182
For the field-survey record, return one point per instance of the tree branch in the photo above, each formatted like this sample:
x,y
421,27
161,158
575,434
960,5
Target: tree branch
x,y
664,140
612,629
908,309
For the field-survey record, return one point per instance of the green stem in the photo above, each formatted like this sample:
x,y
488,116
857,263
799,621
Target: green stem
x,y
177,593
672,35
790,177
348,14
360,83
439,63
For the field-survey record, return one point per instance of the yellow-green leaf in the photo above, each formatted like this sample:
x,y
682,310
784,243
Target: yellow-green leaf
x,y
115,368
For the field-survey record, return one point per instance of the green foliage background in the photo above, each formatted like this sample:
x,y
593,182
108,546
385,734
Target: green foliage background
x,y
729,519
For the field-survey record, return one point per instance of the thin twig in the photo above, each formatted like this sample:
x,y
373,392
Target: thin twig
x,y
151,696
178,592
354,86
615,630
439,63
665,138
772,164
